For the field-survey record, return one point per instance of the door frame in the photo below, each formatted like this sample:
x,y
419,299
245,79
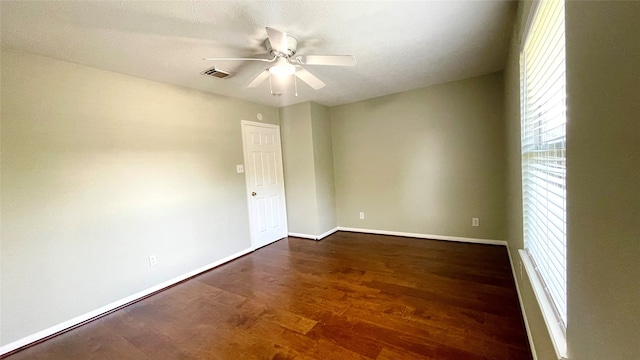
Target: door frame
x,y
245,155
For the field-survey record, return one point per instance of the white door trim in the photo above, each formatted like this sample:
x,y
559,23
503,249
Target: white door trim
x,y
252,229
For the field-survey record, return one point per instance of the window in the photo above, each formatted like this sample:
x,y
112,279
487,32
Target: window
x,y
544,191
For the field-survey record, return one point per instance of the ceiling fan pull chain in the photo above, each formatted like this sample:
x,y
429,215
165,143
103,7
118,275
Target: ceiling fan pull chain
x,y
270,85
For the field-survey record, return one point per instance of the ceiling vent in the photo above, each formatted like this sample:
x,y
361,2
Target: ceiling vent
x,y
216,73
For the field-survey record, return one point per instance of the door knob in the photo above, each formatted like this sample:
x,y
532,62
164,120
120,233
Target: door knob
x,y
253,193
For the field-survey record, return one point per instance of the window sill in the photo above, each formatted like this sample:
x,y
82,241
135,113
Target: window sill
x,y
558,337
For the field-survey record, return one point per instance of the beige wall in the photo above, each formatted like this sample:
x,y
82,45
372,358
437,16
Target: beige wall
x,y
424,161
101,170
323,163
603,181
308,168
299,169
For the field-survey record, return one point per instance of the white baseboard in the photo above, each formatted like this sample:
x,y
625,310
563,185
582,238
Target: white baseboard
x,y
304,236
114,305
524,313
425,236
314,237
322,236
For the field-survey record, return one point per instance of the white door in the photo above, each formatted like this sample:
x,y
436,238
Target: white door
x,y
265,185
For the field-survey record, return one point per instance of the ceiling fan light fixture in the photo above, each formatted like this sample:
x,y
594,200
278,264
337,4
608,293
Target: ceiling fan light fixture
x,y
281,47
283,68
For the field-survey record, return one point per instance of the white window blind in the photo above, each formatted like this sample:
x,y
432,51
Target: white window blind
x,y
543,104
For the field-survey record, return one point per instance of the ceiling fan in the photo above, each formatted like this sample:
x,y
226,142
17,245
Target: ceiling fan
x,y
282,51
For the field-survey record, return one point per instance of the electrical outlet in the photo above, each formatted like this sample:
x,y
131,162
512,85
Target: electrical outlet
x,y
361,216
153,261
239,169
475,222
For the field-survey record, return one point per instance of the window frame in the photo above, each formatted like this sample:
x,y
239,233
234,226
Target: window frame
x,y
552,317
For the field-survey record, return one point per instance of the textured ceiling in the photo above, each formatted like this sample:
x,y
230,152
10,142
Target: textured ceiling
x,y
398,45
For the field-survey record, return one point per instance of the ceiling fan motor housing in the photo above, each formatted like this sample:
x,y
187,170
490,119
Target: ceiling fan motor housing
x,y
292,44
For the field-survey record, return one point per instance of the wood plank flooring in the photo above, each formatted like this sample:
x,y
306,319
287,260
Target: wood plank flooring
x,y
349,296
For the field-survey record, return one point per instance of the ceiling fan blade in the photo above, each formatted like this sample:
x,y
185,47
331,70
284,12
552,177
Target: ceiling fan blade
x,y
259,79
238,59
309,78
333,60
278,40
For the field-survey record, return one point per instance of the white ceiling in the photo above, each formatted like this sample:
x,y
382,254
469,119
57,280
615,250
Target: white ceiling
x,y
398,45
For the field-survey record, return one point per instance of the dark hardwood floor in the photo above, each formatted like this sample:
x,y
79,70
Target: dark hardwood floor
x,y
349,296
